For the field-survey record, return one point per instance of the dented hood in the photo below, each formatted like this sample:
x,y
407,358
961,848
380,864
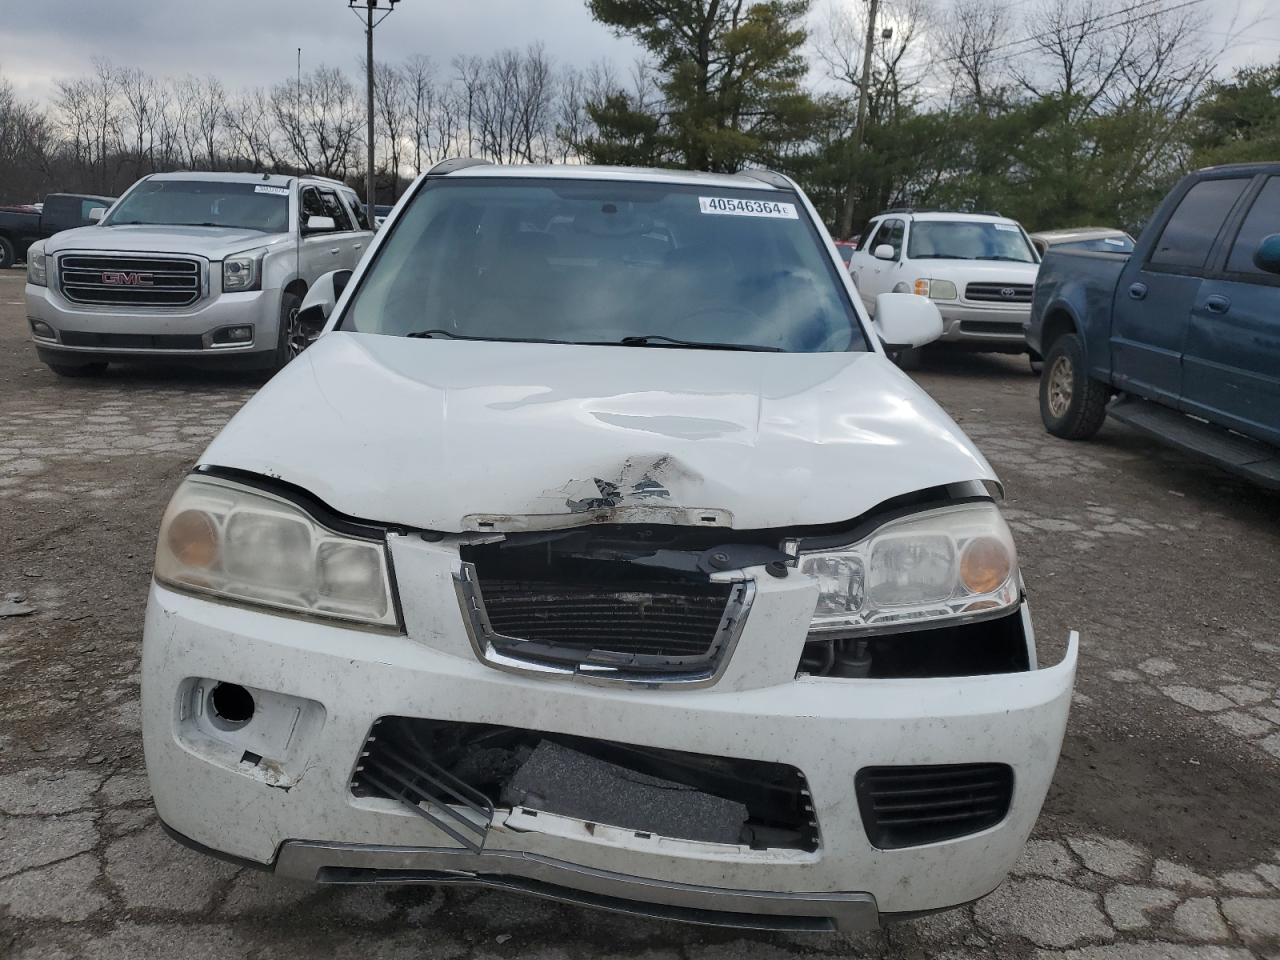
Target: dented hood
x,y
467,435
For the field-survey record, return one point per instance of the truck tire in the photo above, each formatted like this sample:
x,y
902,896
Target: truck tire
x,y
7,255
78,369
286,348
1072,404
910,359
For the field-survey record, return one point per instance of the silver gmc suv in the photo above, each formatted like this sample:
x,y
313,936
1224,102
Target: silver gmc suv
x,y
192,268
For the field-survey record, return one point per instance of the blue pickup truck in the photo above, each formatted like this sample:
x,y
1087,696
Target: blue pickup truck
x,y
1180,338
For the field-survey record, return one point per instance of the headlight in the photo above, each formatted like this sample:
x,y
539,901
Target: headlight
x,y
242,272
934,289
945,564
221,539
36,269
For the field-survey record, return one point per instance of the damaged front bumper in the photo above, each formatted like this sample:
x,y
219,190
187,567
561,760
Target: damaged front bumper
x,y
280,791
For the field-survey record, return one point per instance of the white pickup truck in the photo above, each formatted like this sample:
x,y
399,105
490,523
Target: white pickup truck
x,y
978,268
191,268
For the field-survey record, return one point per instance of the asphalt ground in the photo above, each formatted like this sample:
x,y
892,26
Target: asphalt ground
x,y
1160,838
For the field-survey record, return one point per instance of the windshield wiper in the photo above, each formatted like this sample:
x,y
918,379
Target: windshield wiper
x,y
1010,259
658,340
450,335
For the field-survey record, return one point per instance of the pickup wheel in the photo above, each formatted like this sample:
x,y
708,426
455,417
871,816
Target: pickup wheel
x,y
1072,404
7,255
289,340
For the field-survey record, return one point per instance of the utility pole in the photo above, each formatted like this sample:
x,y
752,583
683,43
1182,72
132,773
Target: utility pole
x,y
371,20
859,134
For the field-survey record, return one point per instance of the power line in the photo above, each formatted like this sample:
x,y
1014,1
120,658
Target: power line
x,y
1088,23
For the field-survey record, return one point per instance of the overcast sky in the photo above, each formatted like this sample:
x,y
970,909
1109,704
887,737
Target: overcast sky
x,y
254,42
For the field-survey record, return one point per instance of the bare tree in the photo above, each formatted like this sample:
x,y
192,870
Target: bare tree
x,y
422,99
393,114
970,40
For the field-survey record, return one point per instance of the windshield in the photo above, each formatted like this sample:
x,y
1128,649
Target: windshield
x,y
968,240
597,261
208,203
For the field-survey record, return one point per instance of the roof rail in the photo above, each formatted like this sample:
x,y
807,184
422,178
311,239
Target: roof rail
x,y
771,177
316,176
980,213
445,167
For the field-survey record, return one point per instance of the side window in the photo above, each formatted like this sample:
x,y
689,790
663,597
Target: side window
x,y
1262,221
335,208
867,232
358,211
87,205
312,206
890,232
1190,232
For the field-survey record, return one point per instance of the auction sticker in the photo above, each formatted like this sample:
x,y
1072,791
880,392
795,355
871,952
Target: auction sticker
x,y
737,207
274,191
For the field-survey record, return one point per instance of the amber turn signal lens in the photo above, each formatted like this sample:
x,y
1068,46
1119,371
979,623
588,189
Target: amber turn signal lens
x,y
193,539
985,565
922,288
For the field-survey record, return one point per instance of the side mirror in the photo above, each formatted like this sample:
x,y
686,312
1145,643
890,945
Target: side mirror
x,y
905,320
96,214
1267,256
883,252
318,304
318,223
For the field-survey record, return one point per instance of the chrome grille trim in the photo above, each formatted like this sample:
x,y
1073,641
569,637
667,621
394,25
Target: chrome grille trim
x,y
142,280
998,292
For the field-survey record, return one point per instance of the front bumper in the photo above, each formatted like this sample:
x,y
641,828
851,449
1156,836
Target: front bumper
x,y
85,333
297,813
991,326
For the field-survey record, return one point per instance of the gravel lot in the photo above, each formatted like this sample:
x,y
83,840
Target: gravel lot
x,y
1160,839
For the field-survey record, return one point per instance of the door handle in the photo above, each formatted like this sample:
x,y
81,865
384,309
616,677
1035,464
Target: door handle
x,y
359,246
335,250
1138,291
1217,304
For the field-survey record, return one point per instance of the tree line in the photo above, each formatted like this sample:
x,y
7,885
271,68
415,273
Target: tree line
x,y
1059,113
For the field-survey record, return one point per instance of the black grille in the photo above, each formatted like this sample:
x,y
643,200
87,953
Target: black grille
x,y
133,341
130,281
909,806
641,624
998,292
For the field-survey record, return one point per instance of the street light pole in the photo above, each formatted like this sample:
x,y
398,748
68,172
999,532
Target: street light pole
x,y
370,9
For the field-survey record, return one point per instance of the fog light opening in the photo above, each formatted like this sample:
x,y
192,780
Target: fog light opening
x,y
41,330
229,336
230,706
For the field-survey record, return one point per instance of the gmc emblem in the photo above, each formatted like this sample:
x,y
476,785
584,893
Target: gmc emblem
x,y
117,278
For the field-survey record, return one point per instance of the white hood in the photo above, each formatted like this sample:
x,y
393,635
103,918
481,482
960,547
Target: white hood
x,y
213,243
466,435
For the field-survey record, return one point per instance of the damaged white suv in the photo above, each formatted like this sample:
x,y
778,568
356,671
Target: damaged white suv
x,y
596,551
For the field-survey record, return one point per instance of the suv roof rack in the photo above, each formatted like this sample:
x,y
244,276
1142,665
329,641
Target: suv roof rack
x,y
316,176
980,213
765,175
445,167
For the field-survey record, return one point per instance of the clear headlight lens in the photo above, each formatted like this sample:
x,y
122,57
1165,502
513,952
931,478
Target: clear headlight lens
x,y
37,271
240,544
943,564
934,289
242,272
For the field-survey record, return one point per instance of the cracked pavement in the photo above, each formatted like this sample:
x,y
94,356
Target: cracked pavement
x,y
1160,839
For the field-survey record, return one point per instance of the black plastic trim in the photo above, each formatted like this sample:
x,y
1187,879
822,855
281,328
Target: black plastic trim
x,y
183,840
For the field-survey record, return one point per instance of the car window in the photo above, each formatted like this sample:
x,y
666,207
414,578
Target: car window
x,y
1099,245
247,205
969,240
312,206
87,205
590,261
333,207
358,211
1263,220
890,232
1191,231
867,233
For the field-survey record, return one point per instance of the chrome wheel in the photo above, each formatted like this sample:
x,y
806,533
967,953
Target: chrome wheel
x,y
295,339
1061,386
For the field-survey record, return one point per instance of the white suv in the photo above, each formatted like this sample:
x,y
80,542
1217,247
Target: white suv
x,y
978,268
612,561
